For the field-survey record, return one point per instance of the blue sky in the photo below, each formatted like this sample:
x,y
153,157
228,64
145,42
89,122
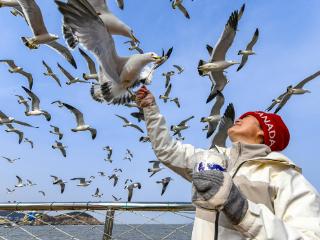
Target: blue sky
x,y
287,51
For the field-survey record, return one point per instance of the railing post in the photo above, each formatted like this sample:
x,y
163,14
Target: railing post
x,y
108,225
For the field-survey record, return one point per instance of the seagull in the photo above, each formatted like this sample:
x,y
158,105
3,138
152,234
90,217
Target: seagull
x,y
129,153
217,63
118,74
138,115
214,118
134,46
49,73
128,180
33,15
42,192
226,122
61,147
102,174
59,103
127,158
117,170
129,124
83,182
35,106
248,51
70,78
96,194
276,101
144,139
116,199
168,76
29,141
176,101
165,96
109,150
179,68
56,131
22,100
181,126
17,131
91,65
10,160
10,190
109,21
115,178
30,183
165,182
4,119
19,184
15,69
81,126
296,90
178,3
130,189
155,167
59,181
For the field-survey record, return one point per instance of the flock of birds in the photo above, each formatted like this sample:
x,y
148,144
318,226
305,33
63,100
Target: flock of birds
x,y
91,25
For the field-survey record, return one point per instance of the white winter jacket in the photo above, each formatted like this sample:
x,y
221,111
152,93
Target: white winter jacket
x,y
282,203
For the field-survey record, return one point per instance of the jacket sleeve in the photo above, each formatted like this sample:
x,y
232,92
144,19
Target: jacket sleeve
x,y
177,156
296,211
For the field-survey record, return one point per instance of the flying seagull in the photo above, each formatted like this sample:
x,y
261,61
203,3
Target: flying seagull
x,y
56,131
115,178
61,147
29,141
155,167
214,118
83,182
181,126
59,181
217,62
91,65
176,101
117,74
15,69
109,150
10,190
36,106
81,126
10,160
19,184
168,76
30,183
14,130
178,3
276,101
165,96
50,73
33,15
102,174
226,122
59,103
42,193
70,78
134,46
179,68
97,194
127,123
130,189
22,100
116,199
248,51
4,119
296,90
165,182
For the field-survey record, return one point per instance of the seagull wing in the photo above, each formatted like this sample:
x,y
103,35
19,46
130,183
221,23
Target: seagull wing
x,y
183,10
226,38
62,186
304,81
284,100
35,99
28,76
63,51
241,11
65,72
19,179
215,110
120,4
185,121
253,40
63,151
90,62
178,67
33,15
226,122
9,62
244,59
137,127
130,192
164,186
168,90
92,34
167,80
93,132
49,70
24,123
100,6
220,82
77,113
123,118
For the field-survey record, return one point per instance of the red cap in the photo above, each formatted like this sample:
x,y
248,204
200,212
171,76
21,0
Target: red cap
x,y
276,133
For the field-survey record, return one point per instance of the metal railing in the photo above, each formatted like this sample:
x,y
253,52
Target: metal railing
x,y
112,212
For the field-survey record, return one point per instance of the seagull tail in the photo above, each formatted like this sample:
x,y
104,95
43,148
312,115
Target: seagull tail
x,y
96,93
201,72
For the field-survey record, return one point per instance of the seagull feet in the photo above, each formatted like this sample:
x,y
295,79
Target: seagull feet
x,y
29,43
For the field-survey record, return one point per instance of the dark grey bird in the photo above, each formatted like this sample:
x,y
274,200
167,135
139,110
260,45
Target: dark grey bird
x,y
51,74
165,182
215,117
81,125
248,51
226,122
56,131
127,123
61,147
91,65
130,189
296,90
35,109
15,69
